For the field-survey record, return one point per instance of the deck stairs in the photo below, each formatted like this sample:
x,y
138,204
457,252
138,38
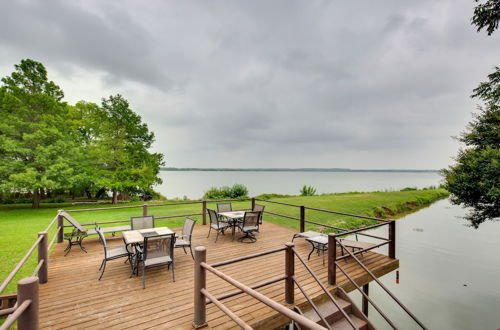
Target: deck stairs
x,y
333,315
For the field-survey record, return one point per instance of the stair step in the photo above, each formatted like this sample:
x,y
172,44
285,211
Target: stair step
x,y
329,311
344,325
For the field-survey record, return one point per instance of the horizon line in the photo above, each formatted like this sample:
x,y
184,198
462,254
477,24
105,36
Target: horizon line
x,y
287,169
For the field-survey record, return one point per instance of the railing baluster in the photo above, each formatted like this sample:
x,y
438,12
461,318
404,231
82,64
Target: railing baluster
x,y
200,279
43,255
289,272
332,259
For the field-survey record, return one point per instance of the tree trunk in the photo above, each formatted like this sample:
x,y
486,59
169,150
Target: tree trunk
x,y
89,195
36,199
115,196
100,193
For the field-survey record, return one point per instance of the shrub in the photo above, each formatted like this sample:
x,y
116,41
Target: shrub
x,y
236,191
409,189
307,191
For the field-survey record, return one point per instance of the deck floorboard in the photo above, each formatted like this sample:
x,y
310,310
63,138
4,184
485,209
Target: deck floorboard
x,y
74,298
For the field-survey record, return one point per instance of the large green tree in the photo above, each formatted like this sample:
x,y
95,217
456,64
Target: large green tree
x,y
118,143
35,142
474,180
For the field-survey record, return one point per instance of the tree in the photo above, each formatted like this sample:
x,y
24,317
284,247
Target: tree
x,y
487,16
121,143
35,146
474,180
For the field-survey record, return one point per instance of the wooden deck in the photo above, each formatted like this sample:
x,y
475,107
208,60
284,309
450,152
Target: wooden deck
x,y
74,298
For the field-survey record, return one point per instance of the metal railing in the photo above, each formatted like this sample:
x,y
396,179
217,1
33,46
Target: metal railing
x,y
25,310
202,296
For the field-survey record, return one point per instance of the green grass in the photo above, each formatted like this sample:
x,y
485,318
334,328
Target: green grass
x,y
19,224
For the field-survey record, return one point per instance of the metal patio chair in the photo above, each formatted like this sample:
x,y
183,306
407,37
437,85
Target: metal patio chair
x,y
157,251
224,207
110,254
143,222
249,226
259,208
184,239
216,224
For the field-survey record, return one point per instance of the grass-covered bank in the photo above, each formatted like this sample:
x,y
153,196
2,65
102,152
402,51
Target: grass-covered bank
x,y
19,224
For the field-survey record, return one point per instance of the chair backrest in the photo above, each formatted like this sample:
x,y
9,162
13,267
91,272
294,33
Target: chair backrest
x,y
251,219
142,222
259,208
159,246
224,207
102,238
214,219
187,229
72,221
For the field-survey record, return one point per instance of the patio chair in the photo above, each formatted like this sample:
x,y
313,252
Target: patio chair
x,y
216,224
249,226
158,251
224,207
113,254
259,208
184,239
143,222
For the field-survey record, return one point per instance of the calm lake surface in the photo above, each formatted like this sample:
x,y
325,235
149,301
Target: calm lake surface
x,y
449,273
194,183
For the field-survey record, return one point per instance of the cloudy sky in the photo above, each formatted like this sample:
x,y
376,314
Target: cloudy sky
x,y
358,84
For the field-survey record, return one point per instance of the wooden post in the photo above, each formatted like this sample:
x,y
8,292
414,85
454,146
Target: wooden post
x,y
366,288
289,272
43,254
302,218
145,210
253,203
27,289
392,238
200,279
60,224
332,258
204,212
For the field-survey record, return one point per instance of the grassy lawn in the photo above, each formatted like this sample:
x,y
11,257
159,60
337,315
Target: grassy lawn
x,y
20,224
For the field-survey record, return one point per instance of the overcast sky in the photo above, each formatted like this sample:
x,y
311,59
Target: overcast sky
x,y
358,84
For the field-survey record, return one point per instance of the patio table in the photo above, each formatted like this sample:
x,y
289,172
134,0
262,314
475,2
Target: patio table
x,y
135,238
233,218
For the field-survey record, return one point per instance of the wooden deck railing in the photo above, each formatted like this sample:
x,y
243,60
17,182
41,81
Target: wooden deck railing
x,y
21,309
25,310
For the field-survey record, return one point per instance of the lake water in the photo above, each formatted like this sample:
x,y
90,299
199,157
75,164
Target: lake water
x,y
449,273
194,183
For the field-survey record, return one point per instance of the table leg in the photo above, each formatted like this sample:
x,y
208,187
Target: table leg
x,y
312,250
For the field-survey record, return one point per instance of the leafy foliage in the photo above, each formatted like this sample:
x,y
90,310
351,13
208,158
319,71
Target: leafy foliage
x,y
474,180
307,191
487,15
236,191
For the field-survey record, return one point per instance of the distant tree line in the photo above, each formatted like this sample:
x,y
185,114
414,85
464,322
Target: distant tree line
x,y
86,149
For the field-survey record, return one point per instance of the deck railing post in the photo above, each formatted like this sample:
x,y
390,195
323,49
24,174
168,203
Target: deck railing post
x,y
144,210
302,218
43,254
392,238
204,212
366,289
27,289
253,203
289,272
200,255
60,224
332,259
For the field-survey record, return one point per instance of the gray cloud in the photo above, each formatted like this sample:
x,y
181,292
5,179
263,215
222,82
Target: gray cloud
x,y
259,83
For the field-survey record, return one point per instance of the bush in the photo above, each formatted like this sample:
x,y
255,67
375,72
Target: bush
x,y
307,191
409,189
236,191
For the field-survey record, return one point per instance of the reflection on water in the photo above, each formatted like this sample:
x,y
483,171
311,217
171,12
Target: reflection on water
x,y
449,273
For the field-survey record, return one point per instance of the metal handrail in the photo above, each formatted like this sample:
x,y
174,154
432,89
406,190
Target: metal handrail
x,y
381,285
265,300
15,315
226,310
20,264
256,286
251,256
366,296
313,305
325,290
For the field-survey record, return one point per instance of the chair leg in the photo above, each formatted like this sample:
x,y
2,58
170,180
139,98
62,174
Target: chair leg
x,y
173,272
209,230
191,250
184,248
143,278
102,263
216,238
103,269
